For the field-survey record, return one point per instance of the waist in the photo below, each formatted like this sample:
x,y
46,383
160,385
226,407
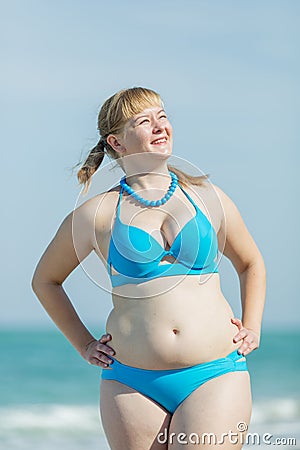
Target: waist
x,y
184,326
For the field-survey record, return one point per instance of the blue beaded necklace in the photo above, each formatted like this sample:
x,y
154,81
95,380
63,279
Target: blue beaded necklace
x,y
140,199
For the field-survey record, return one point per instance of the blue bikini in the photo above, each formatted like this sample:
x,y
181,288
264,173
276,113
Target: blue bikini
x,y
170,387
136,256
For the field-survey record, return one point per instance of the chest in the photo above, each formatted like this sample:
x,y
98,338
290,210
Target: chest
x,y
162,227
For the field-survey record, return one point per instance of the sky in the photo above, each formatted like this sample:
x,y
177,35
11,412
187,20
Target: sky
x,y
228,73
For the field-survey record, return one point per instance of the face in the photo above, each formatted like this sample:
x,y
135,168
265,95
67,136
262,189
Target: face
x,y
148,131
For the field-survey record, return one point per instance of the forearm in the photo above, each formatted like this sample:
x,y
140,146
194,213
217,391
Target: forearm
x,y
253,293
59,307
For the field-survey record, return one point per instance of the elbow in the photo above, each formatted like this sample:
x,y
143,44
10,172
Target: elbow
x,y
257,264
35,283
38,284
260,264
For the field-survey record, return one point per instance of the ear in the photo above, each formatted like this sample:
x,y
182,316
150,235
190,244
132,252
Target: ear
x,y
115,143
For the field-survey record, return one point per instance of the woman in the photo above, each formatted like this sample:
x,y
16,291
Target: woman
x,y
175,362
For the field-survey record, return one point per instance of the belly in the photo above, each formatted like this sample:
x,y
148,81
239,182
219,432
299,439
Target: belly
x,y
183,326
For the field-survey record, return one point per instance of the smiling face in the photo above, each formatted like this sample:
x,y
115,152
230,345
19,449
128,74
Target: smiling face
x,y
146,132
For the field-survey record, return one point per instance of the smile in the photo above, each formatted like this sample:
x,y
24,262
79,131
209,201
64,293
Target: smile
x,y
159,141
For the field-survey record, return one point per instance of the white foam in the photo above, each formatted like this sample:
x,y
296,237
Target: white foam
x,y
64,418
276,410
45,427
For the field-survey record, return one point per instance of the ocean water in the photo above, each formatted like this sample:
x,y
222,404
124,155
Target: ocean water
x,y
49,396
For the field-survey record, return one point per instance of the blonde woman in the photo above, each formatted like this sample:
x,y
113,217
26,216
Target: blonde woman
x,y
174,357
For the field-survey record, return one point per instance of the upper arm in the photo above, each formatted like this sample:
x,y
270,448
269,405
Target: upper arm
x,y
239,246
70,245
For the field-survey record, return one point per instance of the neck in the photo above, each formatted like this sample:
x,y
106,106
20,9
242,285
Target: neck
x,y
147,176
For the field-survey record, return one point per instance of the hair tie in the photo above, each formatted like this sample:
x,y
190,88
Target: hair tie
x,y
102,143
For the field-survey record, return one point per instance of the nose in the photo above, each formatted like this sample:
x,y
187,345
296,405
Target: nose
x,y
157,127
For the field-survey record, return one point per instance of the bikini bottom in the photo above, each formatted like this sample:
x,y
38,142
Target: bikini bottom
x,y
170,387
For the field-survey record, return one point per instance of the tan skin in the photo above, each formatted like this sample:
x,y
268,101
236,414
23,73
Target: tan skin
x,y
148,327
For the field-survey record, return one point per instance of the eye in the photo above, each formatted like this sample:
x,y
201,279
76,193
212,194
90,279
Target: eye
x,y
145,120
163,117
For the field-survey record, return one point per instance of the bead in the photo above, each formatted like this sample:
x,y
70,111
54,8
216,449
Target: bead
x,y
162,201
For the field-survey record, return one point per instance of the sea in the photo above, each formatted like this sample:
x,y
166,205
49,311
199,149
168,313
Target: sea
x,y
49,396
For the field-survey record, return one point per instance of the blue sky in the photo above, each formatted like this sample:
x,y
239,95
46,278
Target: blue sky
x,y
228,72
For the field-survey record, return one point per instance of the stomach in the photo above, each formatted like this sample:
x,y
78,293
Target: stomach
x,y
186,324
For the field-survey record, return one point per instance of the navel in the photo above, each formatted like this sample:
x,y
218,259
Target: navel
x,y
175,331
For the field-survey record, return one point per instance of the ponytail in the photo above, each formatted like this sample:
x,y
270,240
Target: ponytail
x,y
91,164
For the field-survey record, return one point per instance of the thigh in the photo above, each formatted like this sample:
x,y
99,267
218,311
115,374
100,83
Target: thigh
x,y
130,419
217,407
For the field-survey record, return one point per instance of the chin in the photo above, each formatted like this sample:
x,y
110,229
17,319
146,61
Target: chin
x,y
162,151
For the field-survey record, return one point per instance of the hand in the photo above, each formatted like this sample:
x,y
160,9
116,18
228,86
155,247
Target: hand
x,y
249,337
96,352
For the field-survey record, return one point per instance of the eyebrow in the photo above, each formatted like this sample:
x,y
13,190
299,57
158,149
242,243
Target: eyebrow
x,y
147,115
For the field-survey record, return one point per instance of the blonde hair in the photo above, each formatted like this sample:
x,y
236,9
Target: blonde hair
x,y
114,114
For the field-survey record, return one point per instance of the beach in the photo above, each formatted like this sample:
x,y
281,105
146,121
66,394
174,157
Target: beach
x,y
49,396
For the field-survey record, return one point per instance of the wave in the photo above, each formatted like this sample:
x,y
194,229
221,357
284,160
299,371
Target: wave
x,y
276,410
86,418
42,418
74,427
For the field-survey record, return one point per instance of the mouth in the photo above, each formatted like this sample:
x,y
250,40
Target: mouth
x,y
160,141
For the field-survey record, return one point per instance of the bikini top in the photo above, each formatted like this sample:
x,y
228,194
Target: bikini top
x,y
137,256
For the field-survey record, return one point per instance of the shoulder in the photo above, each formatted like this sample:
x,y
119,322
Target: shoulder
x,y
219,191
219,204
210,195
96,211
232,224
91,216
230,209
102,203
